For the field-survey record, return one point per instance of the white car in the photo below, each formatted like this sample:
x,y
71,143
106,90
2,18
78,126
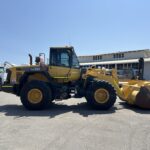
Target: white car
x,y
2,75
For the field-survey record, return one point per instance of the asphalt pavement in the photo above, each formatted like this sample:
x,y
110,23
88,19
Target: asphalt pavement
x,y
72,125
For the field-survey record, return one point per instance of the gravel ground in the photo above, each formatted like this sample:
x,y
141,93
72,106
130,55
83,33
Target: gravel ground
x,y
71,125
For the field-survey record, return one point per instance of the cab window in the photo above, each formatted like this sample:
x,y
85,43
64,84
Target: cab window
x,y
60,58
64,59
75,62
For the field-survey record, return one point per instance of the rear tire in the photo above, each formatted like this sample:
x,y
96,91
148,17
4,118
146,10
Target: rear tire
x,y
35,95
101,95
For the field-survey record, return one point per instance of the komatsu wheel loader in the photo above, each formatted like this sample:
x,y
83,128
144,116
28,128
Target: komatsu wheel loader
x,y
38,85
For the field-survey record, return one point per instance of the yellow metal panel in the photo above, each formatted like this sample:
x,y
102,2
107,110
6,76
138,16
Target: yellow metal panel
x,y
38,76
64,74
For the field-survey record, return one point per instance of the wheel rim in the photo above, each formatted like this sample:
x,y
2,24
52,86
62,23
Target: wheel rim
x,y
101,95
35,96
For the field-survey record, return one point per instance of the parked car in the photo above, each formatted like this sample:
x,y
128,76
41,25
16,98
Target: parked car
x,y
2,75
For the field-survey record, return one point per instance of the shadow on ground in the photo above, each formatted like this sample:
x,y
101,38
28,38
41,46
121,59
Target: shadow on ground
x,y
58,109
52,111
136,109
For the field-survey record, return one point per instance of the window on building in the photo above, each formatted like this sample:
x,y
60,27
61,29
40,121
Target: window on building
x,y
118,55
125,66
122,55
107,66
103,66
135,65
98,57
111,66
98,66
94,57
119,66
129,65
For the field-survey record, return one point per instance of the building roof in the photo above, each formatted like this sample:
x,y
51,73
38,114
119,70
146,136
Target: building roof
x,y
115,62
129,51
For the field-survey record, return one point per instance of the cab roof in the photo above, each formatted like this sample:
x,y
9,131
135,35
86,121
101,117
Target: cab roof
x,y
61,47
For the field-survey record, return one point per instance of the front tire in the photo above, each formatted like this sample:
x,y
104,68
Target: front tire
x,y
100,95
35,95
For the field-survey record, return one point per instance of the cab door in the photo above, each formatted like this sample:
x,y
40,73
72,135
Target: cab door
x,y
60,64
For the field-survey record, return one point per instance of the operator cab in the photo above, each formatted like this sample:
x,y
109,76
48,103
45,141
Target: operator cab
x,y
64,57
64,65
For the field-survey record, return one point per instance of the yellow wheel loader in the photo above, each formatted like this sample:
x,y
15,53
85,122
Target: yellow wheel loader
x,y
38,85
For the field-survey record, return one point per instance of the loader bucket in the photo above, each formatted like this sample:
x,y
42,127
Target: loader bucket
x,y
137,92
143,97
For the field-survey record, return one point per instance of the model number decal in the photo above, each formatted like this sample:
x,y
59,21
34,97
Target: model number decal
x,y
29,69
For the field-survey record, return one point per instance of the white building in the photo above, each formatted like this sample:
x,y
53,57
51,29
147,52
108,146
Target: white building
x,y
119,60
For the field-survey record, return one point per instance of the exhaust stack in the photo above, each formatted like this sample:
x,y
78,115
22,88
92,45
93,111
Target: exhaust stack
x,y
30,57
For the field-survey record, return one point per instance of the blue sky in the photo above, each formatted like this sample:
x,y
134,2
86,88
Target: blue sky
x,y
91,26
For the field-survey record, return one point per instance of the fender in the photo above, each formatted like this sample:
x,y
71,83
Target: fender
x,y
88,81
26,75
